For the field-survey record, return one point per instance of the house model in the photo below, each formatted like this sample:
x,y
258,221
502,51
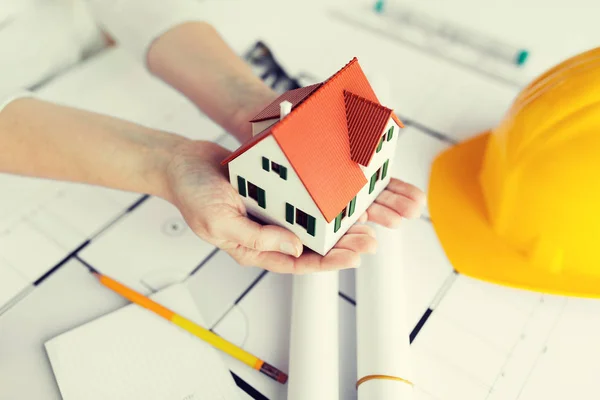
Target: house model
x,y
318,158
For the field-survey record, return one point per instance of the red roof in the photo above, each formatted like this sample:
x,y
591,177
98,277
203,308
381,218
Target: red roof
x,y
315,138
366,120
295,96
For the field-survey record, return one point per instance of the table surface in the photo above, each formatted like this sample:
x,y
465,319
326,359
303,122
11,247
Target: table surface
x,y
472,340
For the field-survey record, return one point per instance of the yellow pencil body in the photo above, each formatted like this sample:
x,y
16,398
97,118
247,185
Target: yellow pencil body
x,y
217,341
193,328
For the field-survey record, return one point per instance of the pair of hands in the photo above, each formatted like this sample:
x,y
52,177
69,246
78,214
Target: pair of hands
x,y
199,187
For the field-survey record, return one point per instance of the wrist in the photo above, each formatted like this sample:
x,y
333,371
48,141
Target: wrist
x,y
159,154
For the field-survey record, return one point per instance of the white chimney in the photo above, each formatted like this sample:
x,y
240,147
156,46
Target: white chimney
x,y
285,107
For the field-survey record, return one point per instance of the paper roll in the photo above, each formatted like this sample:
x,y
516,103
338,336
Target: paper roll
x,y
314,355
383,347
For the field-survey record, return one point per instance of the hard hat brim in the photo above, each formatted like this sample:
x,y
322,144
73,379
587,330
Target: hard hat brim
x,y
459,217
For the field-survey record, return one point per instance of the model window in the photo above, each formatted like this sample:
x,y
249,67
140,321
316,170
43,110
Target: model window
x,y
338,220
275,167
279,169
258,194
390,133
306,221
301,218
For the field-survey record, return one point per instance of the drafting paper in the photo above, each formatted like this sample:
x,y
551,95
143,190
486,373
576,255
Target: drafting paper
x,y
29,251
152,244
381,321
314,356
218,284
68,298
84,208
11,283
134,354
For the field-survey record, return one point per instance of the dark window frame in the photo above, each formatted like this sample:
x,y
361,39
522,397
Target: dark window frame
x,y
265,164
241,186
289,213
352,206
385,169
380,145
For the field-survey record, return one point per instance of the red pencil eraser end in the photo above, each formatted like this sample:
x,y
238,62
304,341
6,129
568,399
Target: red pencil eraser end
x,y
282,378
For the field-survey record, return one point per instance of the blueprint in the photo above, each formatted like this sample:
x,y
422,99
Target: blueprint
x,y
470,340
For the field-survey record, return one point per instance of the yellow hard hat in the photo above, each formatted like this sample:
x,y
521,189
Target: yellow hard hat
x,y
520,205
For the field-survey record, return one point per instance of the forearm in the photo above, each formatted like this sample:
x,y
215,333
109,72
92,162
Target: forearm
x,y
195,60
51,141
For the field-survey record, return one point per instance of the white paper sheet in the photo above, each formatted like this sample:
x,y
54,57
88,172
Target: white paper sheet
x,y
133,354
314,357
382,343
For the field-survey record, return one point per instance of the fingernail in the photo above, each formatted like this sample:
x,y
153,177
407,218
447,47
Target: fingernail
x,y
288,248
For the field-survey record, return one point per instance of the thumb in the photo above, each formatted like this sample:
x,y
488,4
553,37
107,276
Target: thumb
x,y
259,237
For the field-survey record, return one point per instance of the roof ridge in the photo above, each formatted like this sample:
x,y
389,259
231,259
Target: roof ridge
x,y
320,88
287,95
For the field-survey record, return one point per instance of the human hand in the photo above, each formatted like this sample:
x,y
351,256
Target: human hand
x,y
198,186
398,200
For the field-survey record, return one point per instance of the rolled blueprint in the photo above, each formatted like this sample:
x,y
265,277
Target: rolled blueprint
x,y
382,337
314,354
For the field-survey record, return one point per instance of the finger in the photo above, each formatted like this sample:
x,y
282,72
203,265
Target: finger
x,y
268,260
406,189
402,205
361,229
363,218
308,262
338,259
255,236
383,216
359,243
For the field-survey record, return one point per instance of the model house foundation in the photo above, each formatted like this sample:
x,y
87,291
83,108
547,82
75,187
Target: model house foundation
x,y
319,156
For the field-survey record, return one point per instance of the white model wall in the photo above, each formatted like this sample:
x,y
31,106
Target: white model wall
x,y
363,198
258,127
278,191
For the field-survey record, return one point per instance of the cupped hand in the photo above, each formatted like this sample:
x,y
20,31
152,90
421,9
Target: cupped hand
x,y
199,187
